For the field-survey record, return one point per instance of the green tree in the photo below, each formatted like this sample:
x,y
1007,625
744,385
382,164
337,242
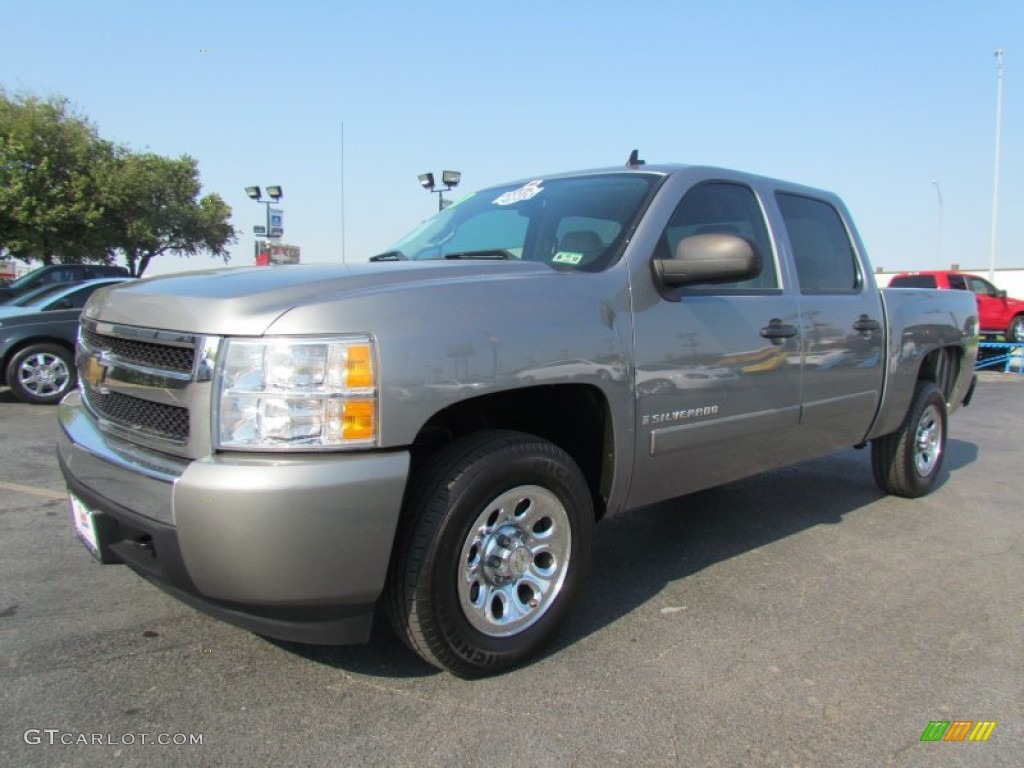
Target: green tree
x,y
152,206
50,201
67,195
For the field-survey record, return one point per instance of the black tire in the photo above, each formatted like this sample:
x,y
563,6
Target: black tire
x,y
41,373
1015,333
907,462
495,542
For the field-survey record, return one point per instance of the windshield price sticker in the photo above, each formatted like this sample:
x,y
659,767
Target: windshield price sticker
x,y
529,190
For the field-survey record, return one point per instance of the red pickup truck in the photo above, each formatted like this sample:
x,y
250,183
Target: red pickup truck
x,y
998,315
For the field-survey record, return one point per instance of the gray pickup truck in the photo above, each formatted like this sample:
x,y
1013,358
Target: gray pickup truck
x,y
436,432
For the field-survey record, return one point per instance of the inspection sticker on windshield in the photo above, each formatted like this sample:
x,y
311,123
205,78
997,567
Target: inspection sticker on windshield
x,y
567,257
525,192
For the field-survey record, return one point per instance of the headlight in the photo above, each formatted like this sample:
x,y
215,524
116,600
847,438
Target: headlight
x,y
296,394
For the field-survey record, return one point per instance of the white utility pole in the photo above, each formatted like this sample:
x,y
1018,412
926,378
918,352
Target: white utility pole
x,y
995,184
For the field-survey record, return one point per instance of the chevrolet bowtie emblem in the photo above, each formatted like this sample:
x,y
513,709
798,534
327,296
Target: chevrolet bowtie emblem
x,y
92,372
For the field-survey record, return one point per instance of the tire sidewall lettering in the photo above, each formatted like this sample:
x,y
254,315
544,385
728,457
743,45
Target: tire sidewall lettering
x,y
473,492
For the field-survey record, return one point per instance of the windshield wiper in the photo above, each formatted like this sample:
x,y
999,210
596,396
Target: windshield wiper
x,y
389,256
489,253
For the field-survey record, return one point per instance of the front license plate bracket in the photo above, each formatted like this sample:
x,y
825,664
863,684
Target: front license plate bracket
x,y
89,525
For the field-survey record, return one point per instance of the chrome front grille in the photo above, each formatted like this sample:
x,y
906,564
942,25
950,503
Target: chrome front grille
x,y
148,386
170,422
145,353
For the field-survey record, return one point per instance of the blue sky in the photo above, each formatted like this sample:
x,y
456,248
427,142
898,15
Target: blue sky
x,y
875,100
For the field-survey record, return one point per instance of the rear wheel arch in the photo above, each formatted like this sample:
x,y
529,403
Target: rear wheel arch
x,y
942,367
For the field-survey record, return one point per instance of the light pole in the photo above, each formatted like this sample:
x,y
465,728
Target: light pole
x,y
995,183
275,224
448,178
938,237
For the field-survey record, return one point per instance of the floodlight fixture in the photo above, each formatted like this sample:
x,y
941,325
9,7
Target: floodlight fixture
x,y
448,178
275,193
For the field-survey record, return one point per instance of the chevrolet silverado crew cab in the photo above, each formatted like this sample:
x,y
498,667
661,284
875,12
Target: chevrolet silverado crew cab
x,y
998,315
433,434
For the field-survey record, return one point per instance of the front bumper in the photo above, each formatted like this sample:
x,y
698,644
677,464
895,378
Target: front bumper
x,y
294,547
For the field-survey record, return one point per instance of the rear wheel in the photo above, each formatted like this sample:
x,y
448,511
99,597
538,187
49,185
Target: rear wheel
x,y
1015,333
497,538
907,461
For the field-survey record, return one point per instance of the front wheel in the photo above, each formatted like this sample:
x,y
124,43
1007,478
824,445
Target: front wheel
x,y
907,461
497,535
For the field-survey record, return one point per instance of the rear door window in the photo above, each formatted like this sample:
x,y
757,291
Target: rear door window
x,y
826,261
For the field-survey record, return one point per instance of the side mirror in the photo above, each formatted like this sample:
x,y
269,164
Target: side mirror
x,y
713,258
1000,293
62,304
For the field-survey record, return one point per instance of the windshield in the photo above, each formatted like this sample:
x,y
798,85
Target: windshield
x,y
569,223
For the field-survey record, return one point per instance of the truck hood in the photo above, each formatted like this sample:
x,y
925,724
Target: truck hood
x,y
246,301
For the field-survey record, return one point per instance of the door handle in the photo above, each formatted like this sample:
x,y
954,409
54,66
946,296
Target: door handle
x,y
865,324
776,331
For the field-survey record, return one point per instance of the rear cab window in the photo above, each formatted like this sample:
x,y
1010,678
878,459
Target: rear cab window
x,y
915,281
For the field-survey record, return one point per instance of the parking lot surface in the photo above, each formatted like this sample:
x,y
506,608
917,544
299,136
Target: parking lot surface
x,y
798,618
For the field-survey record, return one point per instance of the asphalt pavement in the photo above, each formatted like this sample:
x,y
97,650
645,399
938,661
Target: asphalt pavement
x,y
799,618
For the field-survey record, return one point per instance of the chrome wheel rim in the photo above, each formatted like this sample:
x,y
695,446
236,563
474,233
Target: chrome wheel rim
x,y
928,441
514,561
44,374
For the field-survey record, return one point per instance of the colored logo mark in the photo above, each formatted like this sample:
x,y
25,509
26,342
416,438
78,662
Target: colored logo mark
x,y
958,730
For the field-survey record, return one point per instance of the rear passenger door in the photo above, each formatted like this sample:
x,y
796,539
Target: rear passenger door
x,y
843,332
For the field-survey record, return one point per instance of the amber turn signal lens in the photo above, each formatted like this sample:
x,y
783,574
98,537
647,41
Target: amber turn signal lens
x,y
358,420
359,367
